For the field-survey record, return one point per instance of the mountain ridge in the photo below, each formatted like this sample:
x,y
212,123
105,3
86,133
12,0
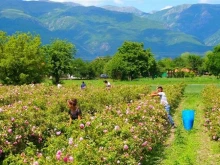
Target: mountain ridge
x,y
97,31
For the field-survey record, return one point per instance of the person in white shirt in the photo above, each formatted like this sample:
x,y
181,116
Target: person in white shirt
x,y
164,102
108,85
59,86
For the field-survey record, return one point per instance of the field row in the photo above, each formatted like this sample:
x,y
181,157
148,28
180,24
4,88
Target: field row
x,y
211,97
119,126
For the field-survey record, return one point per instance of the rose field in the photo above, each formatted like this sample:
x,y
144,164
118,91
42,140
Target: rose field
x,y
123,125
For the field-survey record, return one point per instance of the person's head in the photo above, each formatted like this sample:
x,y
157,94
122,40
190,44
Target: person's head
x,y
160,89
105,81
72,103
83,82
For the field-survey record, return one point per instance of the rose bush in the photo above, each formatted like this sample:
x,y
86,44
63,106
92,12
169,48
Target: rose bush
x,y
211,99
114,129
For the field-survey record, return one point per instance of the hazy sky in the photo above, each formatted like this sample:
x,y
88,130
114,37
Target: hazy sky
x,y
143,5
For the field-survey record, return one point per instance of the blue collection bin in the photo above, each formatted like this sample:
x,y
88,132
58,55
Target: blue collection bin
x,y
188,119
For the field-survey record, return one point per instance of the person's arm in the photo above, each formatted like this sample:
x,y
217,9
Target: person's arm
x,y
70,120
80,115
154,94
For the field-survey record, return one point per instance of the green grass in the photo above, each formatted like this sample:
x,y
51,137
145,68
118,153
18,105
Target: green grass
x,y
148,81
192,147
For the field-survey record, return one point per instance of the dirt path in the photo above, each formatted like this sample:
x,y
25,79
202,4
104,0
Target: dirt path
x,y
192,147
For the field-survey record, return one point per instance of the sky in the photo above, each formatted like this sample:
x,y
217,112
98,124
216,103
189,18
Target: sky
x,y
143,5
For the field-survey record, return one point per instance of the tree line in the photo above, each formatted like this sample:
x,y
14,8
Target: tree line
x,y
24,60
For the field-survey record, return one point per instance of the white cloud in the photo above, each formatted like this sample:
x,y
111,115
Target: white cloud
x,y
204,1
166,7
90,2
118,2
82,2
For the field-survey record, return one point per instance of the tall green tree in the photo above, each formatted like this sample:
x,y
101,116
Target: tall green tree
x,y
80,68
195,62
131,61
166,64
21,59
179,62
212,61
98,65
3,40
60,55
115,68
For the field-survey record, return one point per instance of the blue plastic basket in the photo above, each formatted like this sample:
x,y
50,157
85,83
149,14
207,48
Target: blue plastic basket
x,y
188,119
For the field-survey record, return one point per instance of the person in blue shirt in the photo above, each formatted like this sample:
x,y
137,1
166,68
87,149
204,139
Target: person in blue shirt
x,y
83,85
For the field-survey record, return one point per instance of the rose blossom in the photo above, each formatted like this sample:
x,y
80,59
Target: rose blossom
x,y
65,159
58,157
12,119
81,126
70,158
117,128
70,141
35,163
125,147
88,123
59,152
58,132
9,130
144,144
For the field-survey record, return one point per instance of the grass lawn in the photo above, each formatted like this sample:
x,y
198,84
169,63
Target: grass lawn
x,y
192,147
146,81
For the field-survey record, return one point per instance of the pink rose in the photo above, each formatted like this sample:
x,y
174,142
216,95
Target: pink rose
x,y
59,152
125,147
144,144
58,132
65,159
35,163
117,128
70,141
81,126
58,157
39,155
88,123
9,130
70,159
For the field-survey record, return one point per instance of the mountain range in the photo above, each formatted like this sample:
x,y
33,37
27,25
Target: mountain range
x,y
100,31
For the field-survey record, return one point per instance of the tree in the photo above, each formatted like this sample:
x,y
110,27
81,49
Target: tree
x,y
195,62
21,59
3,41
179,62
166,65
131,61
80,68
212,61
115,68
98,65
60,55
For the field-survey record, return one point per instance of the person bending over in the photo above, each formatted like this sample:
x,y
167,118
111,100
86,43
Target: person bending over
x,y
164,102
